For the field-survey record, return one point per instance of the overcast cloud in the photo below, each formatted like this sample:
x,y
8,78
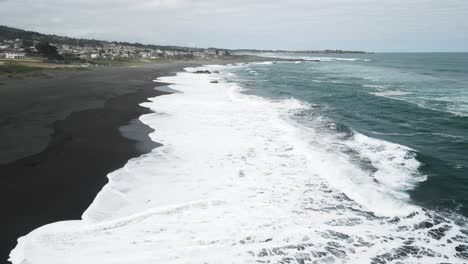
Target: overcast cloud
x,y
385,25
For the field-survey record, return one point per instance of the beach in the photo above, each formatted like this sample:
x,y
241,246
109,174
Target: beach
x,y
250,172
227,132
61,133
254,164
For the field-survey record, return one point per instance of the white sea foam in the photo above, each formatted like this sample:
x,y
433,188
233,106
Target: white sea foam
x,y
329,59
303,56
396,165
264,63
375,86
239,181
391,93
459,109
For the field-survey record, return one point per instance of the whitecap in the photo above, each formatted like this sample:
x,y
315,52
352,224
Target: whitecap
x,y
391,93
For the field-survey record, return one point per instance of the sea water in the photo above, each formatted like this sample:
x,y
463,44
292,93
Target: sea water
x,y
353,159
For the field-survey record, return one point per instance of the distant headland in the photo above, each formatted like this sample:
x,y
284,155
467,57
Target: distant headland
x,y
327,51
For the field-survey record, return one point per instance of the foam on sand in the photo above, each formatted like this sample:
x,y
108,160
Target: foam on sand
x,y
239,181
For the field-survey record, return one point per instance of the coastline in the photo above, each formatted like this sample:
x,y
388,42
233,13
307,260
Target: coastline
x,y
64,131
87,141
34,101
154,207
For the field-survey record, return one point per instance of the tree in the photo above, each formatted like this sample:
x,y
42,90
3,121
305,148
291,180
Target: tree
x,y
44,48
26,44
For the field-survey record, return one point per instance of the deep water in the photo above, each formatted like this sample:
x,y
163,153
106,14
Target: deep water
x,y
419,100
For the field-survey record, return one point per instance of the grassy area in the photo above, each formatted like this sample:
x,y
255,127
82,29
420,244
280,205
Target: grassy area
x,y
117,62
18,68
15,68
12,68
130,62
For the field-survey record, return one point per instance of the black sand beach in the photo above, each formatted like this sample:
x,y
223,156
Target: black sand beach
x,y
61,134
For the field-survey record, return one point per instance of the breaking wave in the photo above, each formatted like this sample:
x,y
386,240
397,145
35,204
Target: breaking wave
x,y
244,179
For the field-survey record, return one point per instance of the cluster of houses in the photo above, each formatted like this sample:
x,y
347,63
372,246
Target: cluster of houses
x,y
12,49
17,50
114,51
107,51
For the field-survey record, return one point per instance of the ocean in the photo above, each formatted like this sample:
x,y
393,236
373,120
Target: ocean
x,y
418,100
349,159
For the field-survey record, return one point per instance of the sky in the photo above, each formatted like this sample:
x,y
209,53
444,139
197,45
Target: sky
x,y
370,25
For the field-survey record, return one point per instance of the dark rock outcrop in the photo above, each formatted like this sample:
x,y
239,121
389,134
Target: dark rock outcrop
x,y
202,72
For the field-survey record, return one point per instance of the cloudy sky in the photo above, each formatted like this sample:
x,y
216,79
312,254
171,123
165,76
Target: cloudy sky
x,y
372,25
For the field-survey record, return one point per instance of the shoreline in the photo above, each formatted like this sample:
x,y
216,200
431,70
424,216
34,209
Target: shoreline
x,y
151,184
66,163
34,101
60,182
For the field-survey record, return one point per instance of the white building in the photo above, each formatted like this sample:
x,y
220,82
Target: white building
x,y
94,56
15,55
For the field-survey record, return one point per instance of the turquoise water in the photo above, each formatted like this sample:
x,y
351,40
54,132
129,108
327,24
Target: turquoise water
x,y
418,100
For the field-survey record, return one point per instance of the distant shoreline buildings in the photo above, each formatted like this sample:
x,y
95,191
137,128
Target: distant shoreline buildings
x,y
18,49
17,44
